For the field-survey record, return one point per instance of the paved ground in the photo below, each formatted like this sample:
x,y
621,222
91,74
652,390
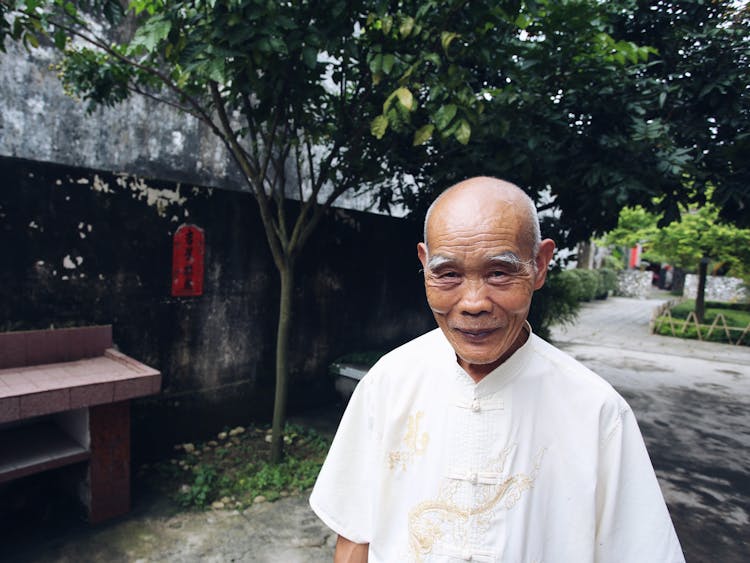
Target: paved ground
x,y
692,401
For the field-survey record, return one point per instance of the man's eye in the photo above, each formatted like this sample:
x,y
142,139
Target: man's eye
x,y
447,275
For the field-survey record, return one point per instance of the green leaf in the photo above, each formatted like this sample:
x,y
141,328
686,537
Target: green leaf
x,y
446,38
60,39
216,70
463,132
388,61
387,24
444,116
406,27
405,98
151,33
376,64
378,126
310,57
423,134
433,58
522,21
31,40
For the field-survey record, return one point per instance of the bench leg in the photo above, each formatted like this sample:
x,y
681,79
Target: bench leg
x,y
109,466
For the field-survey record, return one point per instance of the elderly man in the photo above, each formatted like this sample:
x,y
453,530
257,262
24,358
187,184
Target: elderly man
x,y
479,441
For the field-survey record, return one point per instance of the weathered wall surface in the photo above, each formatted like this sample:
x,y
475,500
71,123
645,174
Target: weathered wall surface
x,y
39,122
82,247
633,283
140,136
718,288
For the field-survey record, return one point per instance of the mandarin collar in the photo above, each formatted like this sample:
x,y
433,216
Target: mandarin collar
x,y
497,378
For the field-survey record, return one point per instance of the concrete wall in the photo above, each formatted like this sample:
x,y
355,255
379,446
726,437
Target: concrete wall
x,y
718,288
83,246
38,121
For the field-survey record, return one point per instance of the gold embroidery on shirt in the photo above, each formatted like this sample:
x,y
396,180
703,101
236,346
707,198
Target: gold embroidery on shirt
x,y
416,444
431,521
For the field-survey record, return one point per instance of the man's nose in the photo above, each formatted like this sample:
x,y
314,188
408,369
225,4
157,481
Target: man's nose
x,y
475,297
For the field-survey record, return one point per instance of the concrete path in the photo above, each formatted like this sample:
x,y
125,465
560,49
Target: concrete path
x,y
692,401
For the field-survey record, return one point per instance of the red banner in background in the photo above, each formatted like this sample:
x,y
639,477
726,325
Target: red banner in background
x,y
188,248
635,257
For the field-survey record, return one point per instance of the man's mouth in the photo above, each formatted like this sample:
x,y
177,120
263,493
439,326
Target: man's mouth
x,y
475,334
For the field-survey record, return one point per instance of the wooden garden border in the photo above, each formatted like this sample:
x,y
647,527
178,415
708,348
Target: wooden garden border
x,y
664,315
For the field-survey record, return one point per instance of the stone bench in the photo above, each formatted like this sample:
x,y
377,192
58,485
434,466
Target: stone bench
x,y
65,399
347,376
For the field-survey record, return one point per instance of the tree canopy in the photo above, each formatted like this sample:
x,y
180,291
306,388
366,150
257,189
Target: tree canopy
x,y
698,235
590,106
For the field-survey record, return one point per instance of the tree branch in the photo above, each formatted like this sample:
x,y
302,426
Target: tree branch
x,y
135,89
276,243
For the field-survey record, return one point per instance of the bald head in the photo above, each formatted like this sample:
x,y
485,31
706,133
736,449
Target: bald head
x,y
482,267
483,193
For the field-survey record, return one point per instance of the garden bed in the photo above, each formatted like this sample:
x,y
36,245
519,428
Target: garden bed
x,y
232,471
722,322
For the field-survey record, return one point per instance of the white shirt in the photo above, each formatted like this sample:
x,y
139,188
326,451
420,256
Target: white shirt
x,y
541,460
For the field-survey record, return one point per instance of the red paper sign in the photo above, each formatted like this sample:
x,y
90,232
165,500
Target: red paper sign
x,y
188,248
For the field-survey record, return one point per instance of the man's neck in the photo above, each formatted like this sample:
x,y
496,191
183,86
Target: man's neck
x,y
479,371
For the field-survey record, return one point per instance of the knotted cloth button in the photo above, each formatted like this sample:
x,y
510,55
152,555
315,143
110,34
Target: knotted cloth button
x,y
466,556
475,405
473,478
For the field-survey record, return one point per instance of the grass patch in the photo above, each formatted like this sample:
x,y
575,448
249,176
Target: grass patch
x,y
232,471
737,316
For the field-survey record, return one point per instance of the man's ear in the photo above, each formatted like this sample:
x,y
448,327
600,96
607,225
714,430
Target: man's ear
x,y
542,260
422,253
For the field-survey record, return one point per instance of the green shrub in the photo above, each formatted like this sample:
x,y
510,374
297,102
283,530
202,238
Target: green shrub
x,y
237,467
586,283
199,493
607,282
555,303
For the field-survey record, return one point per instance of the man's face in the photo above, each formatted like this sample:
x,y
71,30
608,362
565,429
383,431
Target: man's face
x,y
480,277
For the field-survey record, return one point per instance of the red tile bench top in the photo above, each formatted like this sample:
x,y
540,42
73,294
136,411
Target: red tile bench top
x,y
53,372
48,388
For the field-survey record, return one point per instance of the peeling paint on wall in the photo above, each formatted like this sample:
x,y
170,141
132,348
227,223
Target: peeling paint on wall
x,y
100,185
70,263
154,197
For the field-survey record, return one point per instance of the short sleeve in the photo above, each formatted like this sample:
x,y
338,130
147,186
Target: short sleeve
x,y
633,523
343,493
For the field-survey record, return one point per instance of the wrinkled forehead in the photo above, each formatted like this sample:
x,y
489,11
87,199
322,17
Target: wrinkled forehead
x,y
473,221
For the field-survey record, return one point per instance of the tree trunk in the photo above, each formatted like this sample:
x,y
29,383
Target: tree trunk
x,y
700,297
282,354
585,255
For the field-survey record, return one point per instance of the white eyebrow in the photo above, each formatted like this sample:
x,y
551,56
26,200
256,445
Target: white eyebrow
x,y
438,260
512,258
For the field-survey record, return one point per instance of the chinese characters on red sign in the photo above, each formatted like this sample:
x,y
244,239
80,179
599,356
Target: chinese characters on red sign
x,y
187,261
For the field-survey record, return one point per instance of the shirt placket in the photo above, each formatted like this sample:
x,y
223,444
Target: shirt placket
x,y
477,430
